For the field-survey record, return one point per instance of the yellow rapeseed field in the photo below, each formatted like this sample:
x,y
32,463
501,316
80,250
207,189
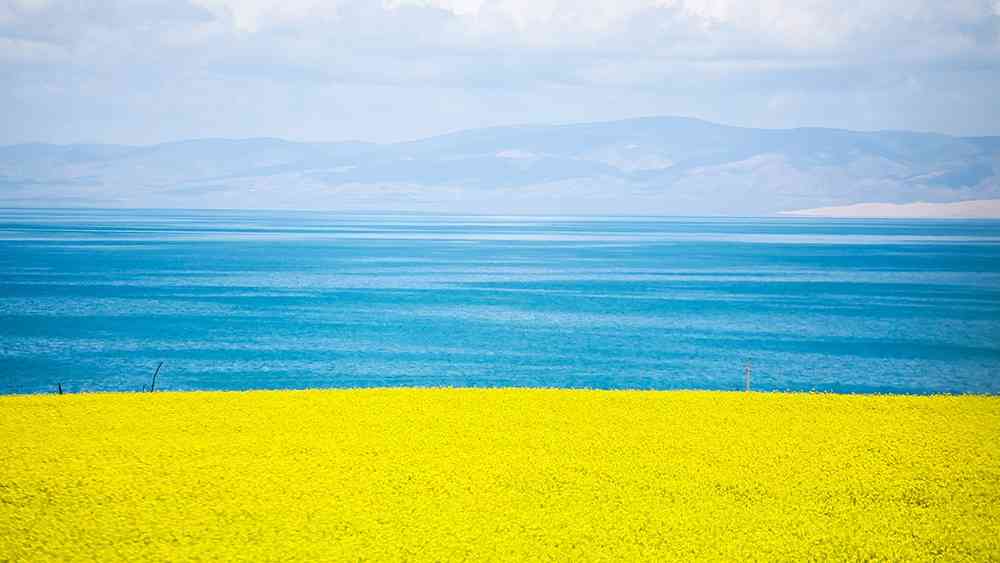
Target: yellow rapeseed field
x,y
446,474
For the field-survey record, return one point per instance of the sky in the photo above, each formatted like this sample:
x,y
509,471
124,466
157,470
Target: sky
x,y
149,71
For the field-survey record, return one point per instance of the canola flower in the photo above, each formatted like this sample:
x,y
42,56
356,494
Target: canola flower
x,y
502,474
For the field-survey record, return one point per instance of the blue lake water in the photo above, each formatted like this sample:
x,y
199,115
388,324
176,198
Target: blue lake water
x,y
238,300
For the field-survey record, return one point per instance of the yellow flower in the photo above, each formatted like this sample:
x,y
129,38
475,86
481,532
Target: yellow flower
x,y
510,474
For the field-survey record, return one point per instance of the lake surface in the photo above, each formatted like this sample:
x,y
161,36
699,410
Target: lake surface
x,y
94,300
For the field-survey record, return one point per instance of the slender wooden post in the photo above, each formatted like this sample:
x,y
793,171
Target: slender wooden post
x,y
747,372
60,388
155,373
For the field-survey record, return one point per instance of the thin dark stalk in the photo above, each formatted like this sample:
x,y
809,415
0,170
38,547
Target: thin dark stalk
x,y
157,372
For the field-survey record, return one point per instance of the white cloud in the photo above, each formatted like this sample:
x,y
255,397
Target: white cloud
x,y
27,51
803,26
412,67
252,15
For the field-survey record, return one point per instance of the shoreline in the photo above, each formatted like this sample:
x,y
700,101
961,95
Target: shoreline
x,y
505,388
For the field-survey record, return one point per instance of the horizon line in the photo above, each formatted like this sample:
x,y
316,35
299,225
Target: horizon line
x,y
521,125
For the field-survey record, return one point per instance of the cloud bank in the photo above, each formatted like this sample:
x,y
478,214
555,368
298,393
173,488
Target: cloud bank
x,y
144,71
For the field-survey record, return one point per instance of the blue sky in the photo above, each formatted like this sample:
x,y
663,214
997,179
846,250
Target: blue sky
x,y
146,71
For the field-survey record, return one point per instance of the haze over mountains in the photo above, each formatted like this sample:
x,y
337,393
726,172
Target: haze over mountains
x,y
656,166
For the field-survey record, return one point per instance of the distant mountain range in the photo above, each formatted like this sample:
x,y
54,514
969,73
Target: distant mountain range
x,y
656,165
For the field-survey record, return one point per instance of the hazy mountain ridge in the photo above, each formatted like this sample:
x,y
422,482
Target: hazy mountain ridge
x,y
663,165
